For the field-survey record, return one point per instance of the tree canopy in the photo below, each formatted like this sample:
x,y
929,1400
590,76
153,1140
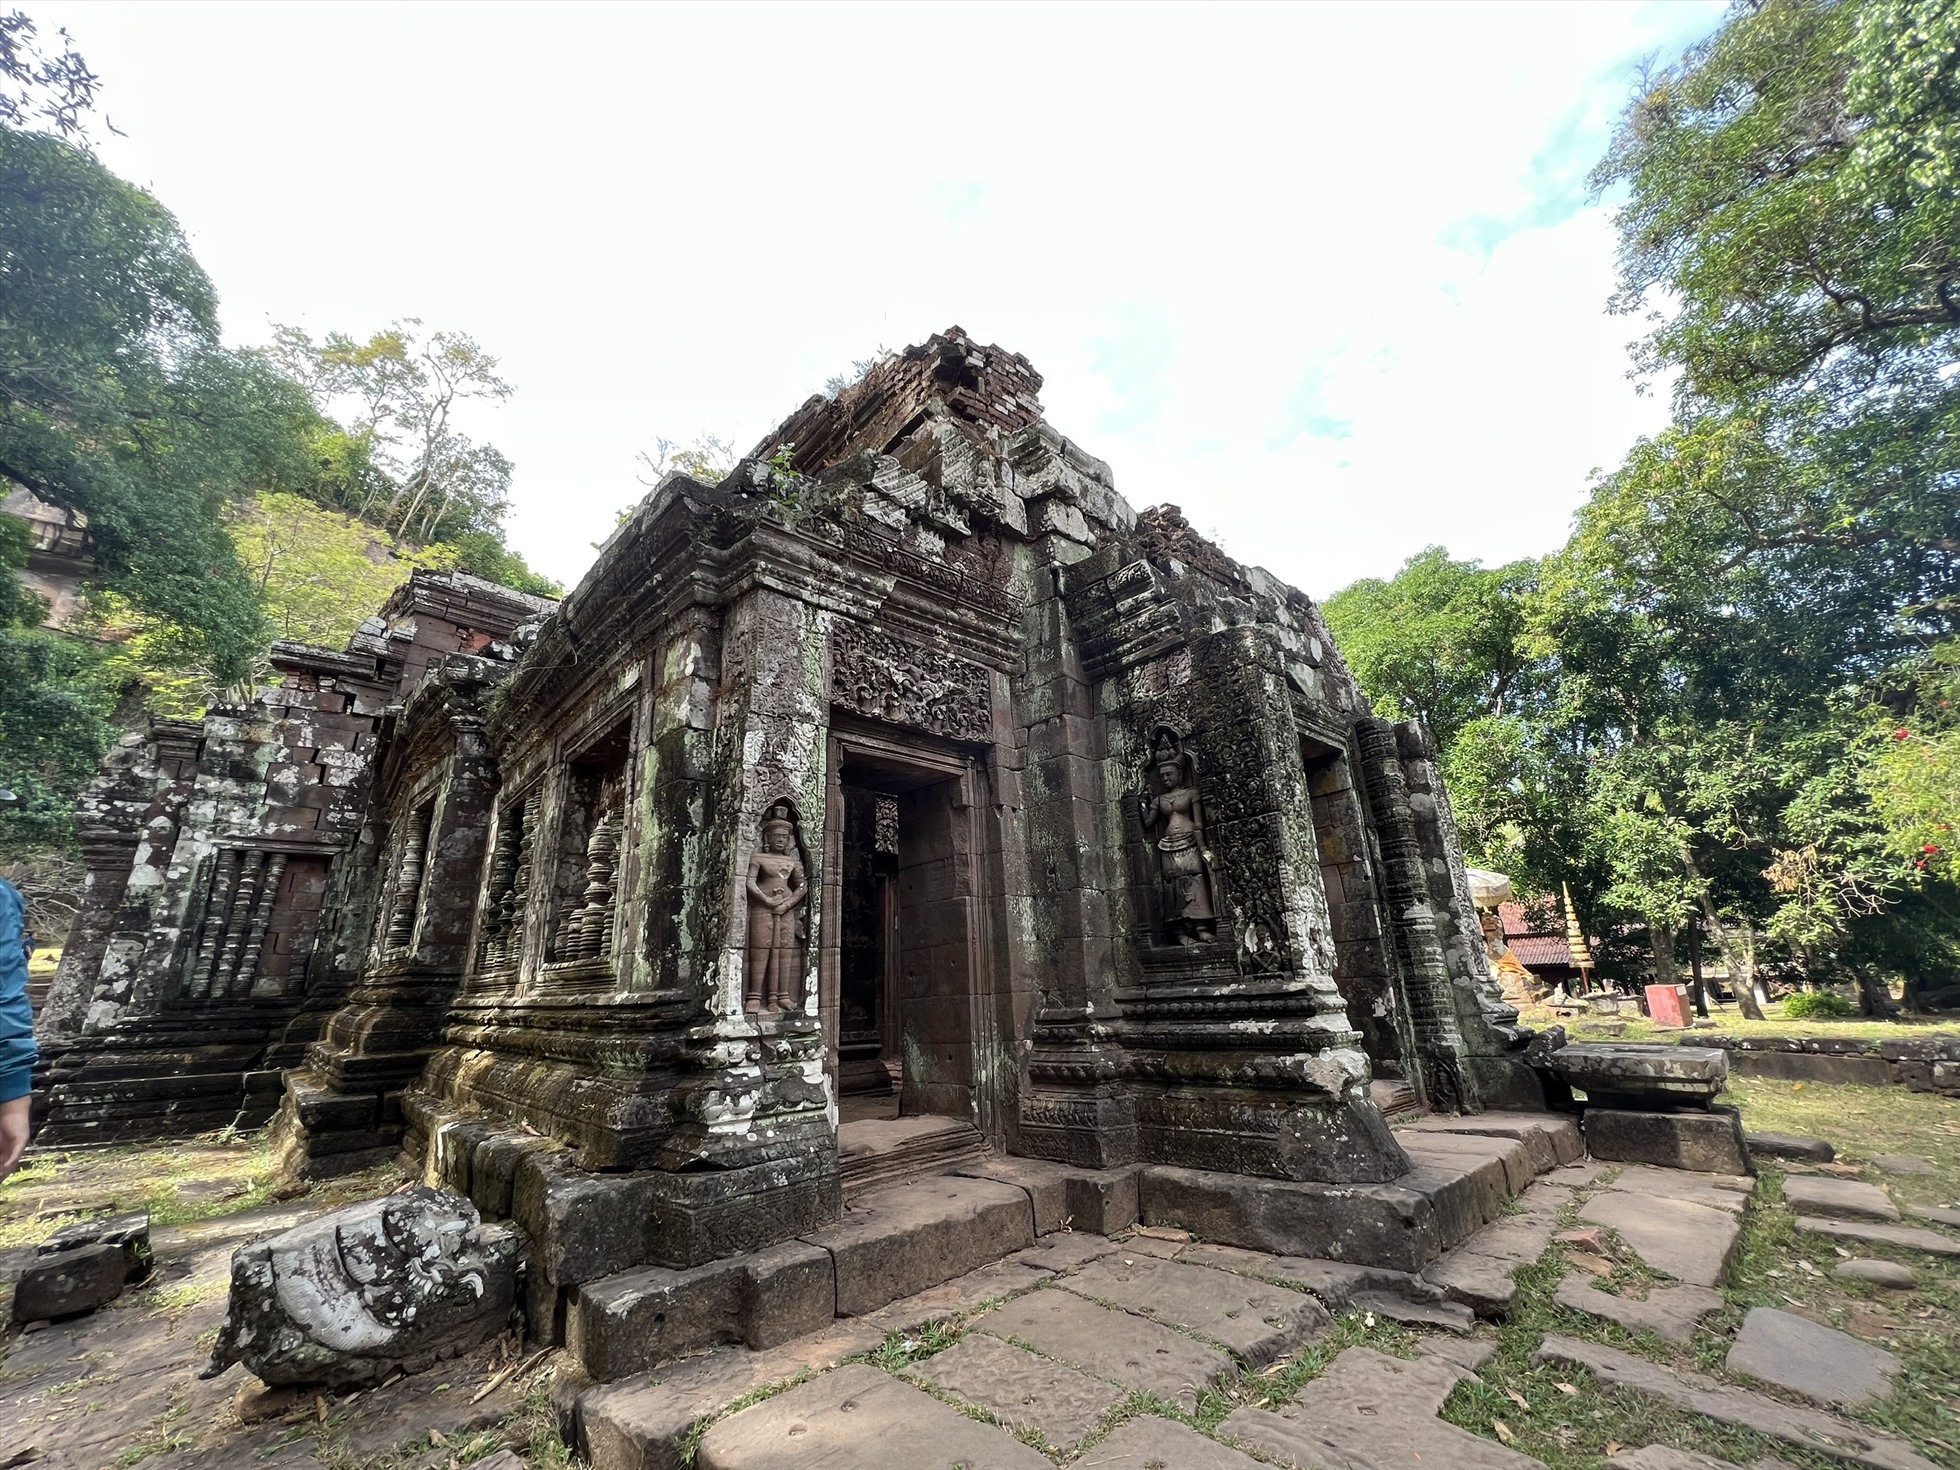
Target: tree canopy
x,y
1728,703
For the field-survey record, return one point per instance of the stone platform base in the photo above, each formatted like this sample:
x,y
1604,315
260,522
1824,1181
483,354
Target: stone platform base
x,y
912,1241
1465,1170
1708,1143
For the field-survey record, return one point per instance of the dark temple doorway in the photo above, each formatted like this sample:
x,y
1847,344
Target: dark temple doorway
x,y
902,962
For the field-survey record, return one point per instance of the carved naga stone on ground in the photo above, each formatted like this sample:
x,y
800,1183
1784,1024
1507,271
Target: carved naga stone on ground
x,y
398,1282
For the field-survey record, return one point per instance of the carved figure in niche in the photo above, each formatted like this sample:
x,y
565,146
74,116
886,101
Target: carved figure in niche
x,y
1173,817
772,978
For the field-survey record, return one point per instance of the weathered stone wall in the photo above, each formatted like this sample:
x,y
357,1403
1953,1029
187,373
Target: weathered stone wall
x,y
214,936
943,607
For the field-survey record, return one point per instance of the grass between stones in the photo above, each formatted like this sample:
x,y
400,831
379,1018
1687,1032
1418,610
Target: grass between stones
x,y
178,1183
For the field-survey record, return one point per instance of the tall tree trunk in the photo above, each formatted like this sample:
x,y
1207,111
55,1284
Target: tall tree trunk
x,y
1694,968
1742,966
1661,938
1874,996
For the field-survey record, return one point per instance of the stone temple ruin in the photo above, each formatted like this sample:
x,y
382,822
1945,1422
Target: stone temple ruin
x,y
903,802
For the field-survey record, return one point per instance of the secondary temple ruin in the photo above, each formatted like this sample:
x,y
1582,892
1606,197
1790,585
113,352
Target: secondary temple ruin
x,y
903,786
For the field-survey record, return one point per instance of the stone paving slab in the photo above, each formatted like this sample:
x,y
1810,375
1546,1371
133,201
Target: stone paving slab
x,y
1369,1411
1148,1441
1838,1199
1888,1274
1809,1358
1909,1236
1669,1312
860,1418
1902,1164
1001,1280
1334,1282
1677,1238
1938,1214
1022,1390
642,1422
1444,1316
1789,1146
1718,1191
1661,1457
1809,1428
1107,1343
1467,1353
1256,1321
1064,1252
1577,1176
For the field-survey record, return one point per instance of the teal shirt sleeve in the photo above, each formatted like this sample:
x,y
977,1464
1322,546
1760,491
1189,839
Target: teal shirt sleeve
x,y
17,1050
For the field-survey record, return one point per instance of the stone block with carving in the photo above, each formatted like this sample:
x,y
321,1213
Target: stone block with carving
x,y
347,1298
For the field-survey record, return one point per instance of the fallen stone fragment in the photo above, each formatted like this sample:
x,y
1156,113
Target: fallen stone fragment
x,y
1789,1146
69,1283
1021,1390
863,1418
1106,1343
1449,1316
1687,1241
1902,1164
1840,1199
1909,1236
1809,1358
1642,1075
1669,1312
1148,1440
348,1297
1369,1410
1876,1273
129,1233
1809,1428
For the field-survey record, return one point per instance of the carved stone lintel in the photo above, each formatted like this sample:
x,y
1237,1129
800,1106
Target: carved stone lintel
x,y
884,678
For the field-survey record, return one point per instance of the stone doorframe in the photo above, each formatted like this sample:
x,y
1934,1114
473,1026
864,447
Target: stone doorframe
x,y
914,762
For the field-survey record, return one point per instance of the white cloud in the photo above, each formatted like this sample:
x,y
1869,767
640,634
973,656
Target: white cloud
x,y
1206,226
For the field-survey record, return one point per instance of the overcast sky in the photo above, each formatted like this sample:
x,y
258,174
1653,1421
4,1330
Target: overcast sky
x,y
1327,276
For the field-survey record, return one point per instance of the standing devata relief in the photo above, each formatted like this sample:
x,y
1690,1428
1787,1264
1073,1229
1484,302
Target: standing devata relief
x,y
1174,823
772,977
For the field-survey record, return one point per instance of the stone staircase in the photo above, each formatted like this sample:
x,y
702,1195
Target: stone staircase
x,y
935,1240
878,1153
1433,1248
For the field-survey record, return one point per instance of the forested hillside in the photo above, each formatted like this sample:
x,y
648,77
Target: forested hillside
x,y
1728,710
231,497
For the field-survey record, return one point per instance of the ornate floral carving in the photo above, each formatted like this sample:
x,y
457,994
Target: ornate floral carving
x,y
875,674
